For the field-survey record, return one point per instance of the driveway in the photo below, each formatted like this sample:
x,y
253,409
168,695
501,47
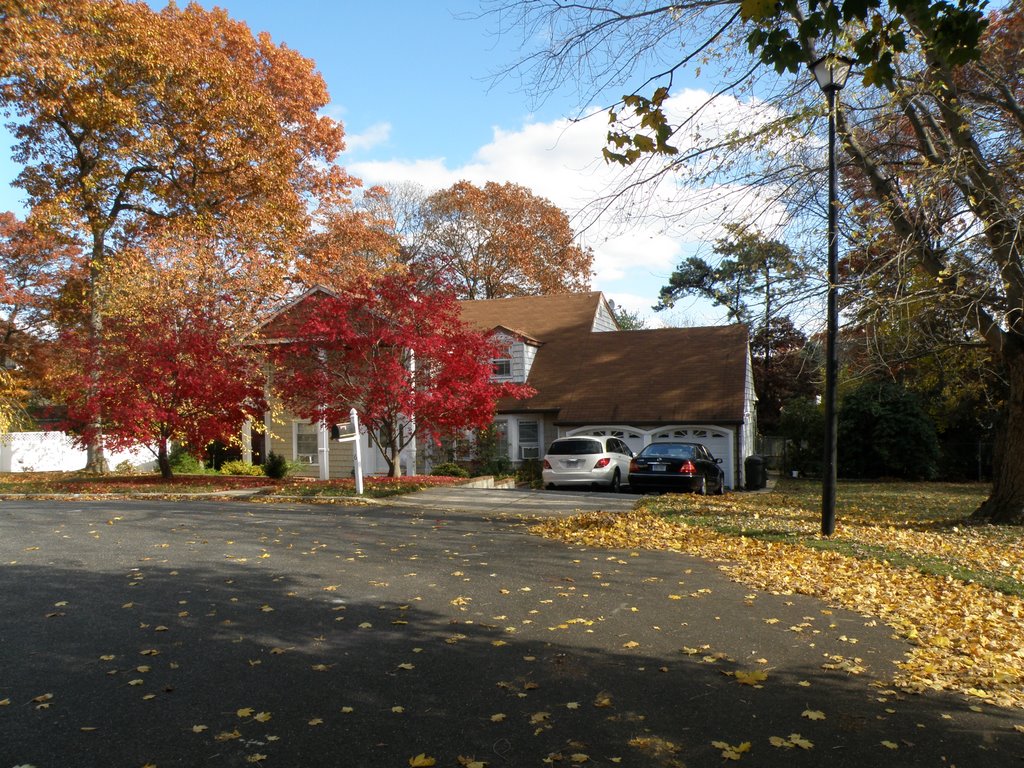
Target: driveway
x,y
235,634
516,501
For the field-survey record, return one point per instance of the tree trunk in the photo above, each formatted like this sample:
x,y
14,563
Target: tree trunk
x,y
164,461
95,460
1006,502
395,449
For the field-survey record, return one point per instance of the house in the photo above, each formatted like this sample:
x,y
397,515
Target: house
x,y
594,379
591,378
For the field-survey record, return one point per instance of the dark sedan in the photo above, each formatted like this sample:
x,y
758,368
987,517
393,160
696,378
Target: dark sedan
x,y
676,467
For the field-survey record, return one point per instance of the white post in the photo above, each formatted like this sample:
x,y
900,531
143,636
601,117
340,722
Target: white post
x,y
358,462
323,451
411,452
247,441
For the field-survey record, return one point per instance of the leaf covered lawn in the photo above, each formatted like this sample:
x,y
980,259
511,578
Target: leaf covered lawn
x,y
84,484
901,552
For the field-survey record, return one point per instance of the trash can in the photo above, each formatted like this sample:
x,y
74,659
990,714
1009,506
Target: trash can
x,y
755,472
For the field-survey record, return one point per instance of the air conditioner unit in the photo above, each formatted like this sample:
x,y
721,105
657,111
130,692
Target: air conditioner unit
x,y
529,452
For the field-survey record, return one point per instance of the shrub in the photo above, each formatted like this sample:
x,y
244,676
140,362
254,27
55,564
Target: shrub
x,y
183,462
124,468
239,467
885,432
276,466
450,469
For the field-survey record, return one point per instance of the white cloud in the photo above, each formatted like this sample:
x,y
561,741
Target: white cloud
x,y
374,136
637,242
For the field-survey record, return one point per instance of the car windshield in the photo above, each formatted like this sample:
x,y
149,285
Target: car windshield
x,y
575,447
667,451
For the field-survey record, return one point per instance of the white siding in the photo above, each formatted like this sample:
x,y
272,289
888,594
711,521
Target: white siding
x,y
603,320
529,353
748,434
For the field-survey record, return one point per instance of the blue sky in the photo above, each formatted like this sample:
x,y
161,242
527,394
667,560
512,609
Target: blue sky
x,y
411,81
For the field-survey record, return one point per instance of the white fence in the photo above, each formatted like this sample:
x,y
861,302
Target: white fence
x,y
56,452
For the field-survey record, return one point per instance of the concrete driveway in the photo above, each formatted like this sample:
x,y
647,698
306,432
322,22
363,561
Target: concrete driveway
x,y
195,633
516,501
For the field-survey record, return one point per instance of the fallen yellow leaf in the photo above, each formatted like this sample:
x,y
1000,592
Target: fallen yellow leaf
x,y
422,761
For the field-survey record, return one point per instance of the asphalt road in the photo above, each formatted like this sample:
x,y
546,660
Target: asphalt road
x,y
162,633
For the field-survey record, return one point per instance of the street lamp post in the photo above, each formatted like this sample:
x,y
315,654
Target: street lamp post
x,y
831,72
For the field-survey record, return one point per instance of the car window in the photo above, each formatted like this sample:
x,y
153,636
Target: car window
x,y
575,447
668,451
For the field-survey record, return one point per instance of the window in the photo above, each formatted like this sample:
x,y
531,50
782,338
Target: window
x,y
306,443
502,367
501,438
529,440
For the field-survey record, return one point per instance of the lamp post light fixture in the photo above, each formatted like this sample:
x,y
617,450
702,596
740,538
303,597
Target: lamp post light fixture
x,y
831,72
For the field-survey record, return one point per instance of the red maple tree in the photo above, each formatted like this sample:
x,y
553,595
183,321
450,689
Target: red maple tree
x,y
398,352
168,367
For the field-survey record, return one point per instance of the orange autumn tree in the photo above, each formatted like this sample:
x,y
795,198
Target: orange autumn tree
x,y
501,241
34,266
350,244
125,116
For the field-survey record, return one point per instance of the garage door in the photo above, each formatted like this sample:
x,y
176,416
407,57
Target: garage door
x,y
718,441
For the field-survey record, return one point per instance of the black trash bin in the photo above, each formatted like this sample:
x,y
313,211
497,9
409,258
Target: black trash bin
x,y
756,474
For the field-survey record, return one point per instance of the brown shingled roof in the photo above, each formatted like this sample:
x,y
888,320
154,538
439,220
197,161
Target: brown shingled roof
x,y
658,376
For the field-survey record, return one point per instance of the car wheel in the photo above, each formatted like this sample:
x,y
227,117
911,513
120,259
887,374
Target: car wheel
x,y
616,484
550,486
721,486
703,486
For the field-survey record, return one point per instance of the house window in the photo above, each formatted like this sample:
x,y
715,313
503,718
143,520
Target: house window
x,y
306,443
501,438
502,367
529,440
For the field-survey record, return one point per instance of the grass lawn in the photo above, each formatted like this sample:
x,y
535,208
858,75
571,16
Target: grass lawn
x,y
59,483
904,552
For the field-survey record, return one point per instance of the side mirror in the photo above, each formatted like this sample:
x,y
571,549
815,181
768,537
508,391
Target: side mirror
x,y
718,461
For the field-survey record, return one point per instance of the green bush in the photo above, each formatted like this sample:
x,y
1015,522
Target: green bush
x,y
450,469
885,432
239,467
124,468
276,466
183,462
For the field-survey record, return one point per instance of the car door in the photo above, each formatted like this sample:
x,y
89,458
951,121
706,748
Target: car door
x,y
622,457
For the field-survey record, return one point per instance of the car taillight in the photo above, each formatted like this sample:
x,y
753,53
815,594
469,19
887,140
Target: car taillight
x,y
688,468
634,467
602,463
546,465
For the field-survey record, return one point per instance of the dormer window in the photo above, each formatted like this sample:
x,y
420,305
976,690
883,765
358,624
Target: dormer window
x,y
502,367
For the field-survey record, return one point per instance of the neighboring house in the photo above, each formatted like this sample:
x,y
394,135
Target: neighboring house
x,y
591,378
641,386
